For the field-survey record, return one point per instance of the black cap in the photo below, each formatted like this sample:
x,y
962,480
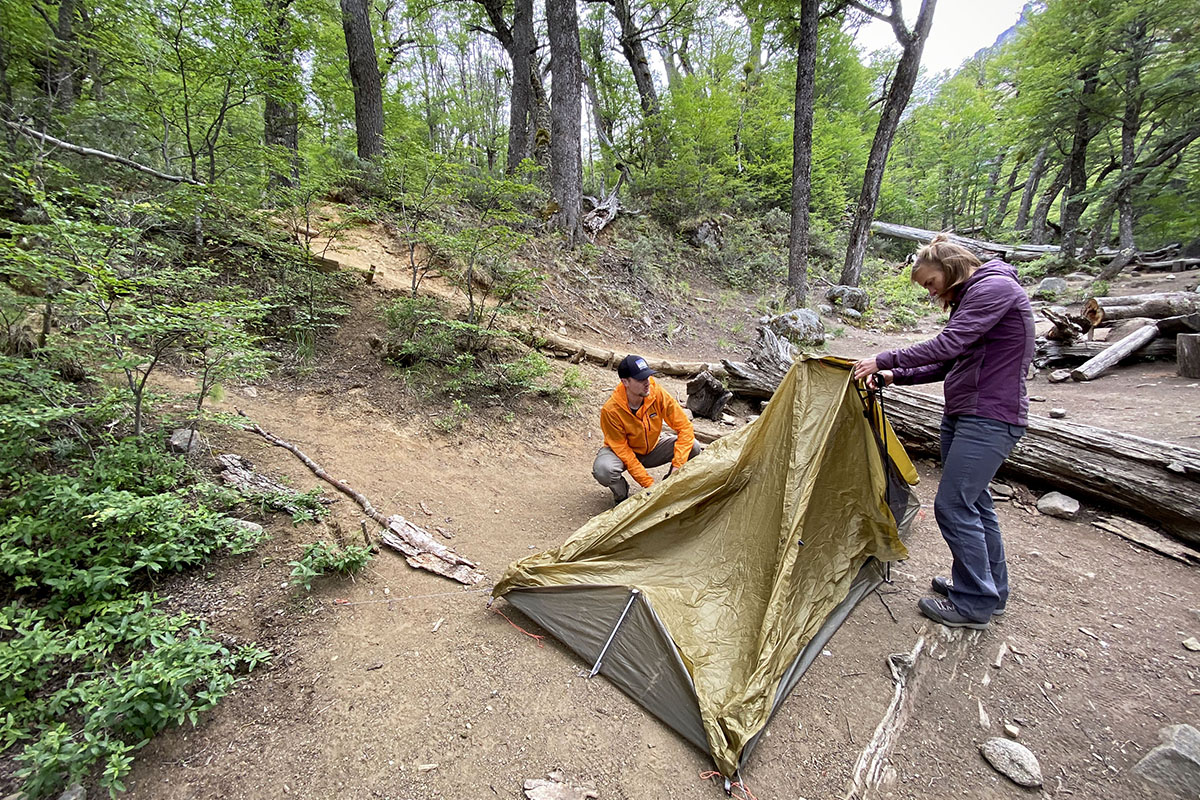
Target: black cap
x,y
634,367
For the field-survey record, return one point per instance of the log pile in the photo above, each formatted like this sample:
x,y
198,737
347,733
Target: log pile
x,y
1165,315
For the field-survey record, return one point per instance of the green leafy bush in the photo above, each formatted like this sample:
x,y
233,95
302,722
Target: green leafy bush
x,y
321,558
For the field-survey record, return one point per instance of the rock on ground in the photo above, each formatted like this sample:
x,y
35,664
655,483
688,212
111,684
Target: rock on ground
x,y
184,440
1175,764
800,326
1056,504
1013,760
553,787
1051,287
850,297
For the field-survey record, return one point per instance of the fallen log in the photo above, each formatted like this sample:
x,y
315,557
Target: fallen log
x,y
1114,353
238,473
1170,265
1156,306
576,351
420,549
706,396
1135,342
1009,252
1155,480
1050,353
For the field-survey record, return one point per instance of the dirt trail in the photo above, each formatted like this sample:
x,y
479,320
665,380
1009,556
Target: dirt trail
x,y
414,689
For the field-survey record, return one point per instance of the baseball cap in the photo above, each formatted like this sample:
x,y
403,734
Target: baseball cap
x,y
635,367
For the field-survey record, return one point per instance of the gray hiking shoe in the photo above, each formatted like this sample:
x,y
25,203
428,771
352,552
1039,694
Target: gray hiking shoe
x,y
943,611
942,586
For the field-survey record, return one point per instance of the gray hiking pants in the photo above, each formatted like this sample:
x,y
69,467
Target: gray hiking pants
x,y
608,468
972,450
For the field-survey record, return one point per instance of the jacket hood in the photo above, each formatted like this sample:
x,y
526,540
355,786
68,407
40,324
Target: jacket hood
x,y
993,267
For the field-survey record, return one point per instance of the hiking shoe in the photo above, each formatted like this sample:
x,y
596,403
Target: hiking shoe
x,y
943,611
620,492
942,585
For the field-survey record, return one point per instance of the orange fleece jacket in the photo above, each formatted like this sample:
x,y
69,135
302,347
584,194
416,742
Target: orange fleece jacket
x,y
630,434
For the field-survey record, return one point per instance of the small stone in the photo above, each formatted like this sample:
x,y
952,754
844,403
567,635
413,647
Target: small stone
x,y
1000,491
247,525
73,792
1058,413
1174,764
1056,504
825,309
185,440
1060,375
1013,760
1192,644
1037,398
1012,731
851,314
540,789
249,391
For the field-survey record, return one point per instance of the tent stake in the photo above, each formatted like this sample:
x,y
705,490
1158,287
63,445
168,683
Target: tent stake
x,y
633,593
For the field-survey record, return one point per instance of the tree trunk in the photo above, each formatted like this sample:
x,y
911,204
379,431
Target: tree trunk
x,y
604,125
521,99
993,179
634,49
1188,357
566,165
1114,353
1031,183
281,131
806,66
1037,233
62,82
897,98
1009,189
364,78
541,119
1082,135
6,95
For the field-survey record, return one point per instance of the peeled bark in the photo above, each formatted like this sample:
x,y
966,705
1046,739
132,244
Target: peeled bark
x,y
1159,305
364,78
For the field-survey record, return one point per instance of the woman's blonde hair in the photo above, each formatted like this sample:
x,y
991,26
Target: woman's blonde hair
x,y
956,263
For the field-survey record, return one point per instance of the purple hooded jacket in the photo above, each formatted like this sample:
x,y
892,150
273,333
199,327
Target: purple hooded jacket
x,y
983,353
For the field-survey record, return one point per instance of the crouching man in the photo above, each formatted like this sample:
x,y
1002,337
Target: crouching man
x,y
631,421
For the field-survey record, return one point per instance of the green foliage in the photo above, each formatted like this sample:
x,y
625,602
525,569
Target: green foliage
x,y
321,558
905,301
1031,271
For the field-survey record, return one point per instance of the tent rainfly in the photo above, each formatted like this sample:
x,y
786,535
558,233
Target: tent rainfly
x,y
706,597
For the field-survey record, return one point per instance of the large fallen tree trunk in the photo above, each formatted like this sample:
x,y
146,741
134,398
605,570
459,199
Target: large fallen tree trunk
x,y
1156,480
576,351
1156,306
1135,342
1050,353
1009,252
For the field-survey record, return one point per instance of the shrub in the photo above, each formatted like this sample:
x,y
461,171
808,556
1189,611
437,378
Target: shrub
x,y
321,558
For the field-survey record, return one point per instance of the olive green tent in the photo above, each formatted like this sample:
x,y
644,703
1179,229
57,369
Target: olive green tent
x,y
706,597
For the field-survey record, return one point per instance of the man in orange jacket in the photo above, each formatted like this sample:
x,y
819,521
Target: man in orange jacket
x,y
631,421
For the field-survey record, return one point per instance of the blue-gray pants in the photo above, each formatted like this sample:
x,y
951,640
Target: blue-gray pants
x,y
972,450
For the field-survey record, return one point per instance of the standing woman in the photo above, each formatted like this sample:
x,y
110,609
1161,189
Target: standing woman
x,y
983,356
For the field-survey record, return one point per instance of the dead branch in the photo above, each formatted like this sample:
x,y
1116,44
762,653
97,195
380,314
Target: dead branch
x,y
416,544
88,151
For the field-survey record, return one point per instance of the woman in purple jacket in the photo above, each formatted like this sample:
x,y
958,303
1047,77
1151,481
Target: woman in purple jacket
x,y
983,355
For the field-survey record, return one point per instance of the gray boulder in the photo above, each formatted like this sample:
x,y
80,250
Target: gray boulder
x,y
1056,504
1013,760
800,326
848,297
1051,287
1175,764
852,315
74,792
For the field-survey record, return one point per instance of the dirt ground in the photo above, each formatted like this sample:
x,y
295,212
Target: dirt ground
x,y
400,684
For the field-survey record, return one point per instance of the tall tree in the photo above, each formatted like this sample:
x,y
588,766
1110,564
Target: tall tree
x,y
912,43
281,131
364,78
806,67
1036,170
566,163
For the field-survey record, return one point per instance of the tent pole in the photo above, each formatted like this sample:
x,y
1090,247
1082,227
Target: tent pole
x,y
633,593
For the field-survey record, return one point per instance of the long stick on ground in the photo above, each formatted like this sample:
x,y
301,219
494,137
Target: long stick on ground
x,y
88,151
869,769
419,548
